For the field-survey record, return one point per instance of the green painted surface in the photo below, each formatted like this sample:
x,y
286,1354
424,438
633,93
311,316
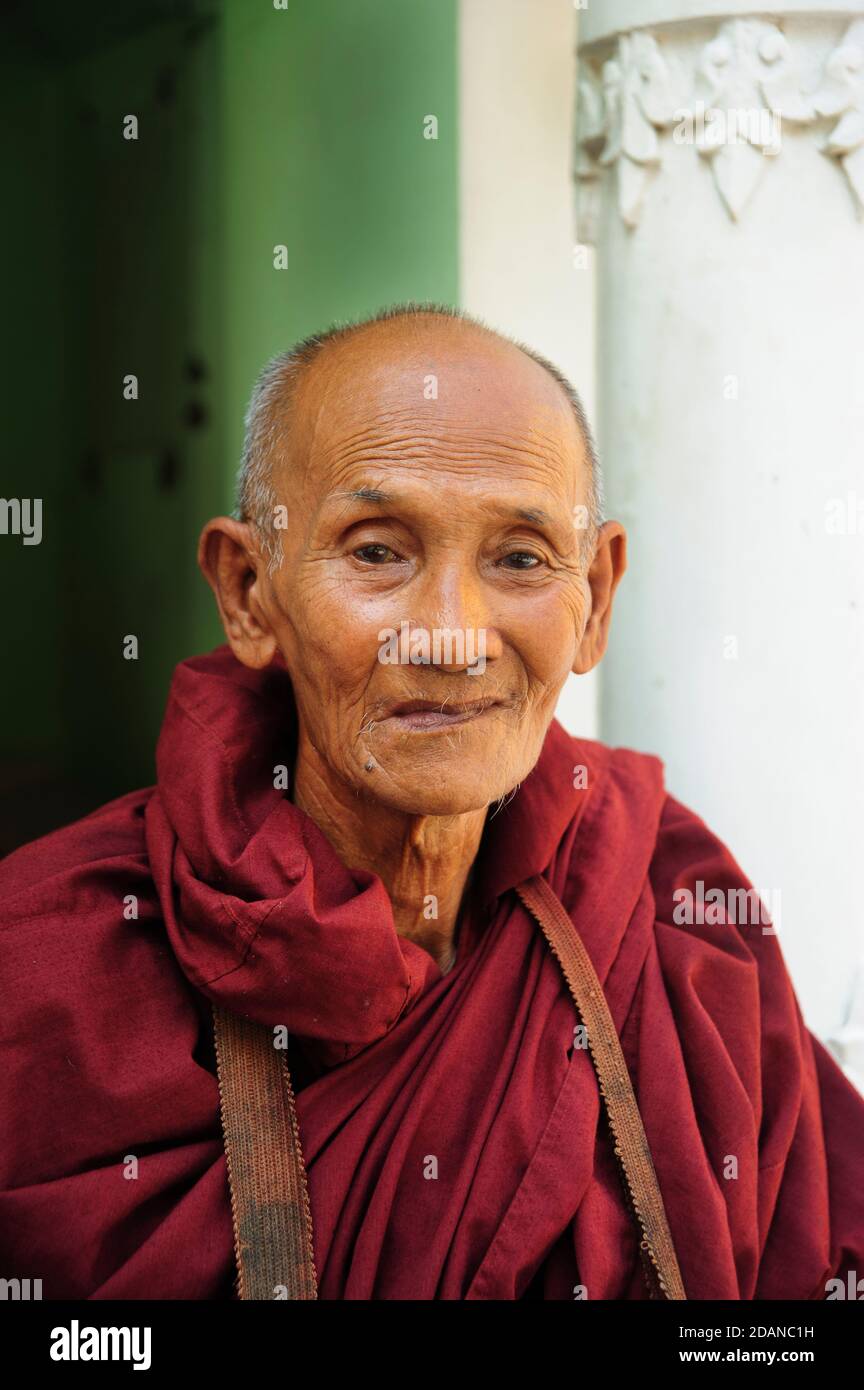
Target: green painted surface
x,y
302,127
325,154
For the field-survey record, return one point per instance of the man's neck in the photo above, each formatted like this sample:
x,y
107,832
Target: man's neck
x,y
423,861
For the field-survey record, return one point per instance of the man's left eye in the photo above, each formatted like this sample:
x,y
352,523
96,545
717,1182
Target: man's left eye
x,y
375,554
521,560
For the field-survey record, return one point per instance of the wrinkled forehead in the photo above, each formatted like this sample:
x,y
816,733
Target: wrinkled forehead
x,y
451,397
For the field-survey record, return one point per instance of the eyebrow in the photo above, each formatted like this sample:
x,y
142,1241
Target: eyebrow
x,y
369,494
376,496
532,514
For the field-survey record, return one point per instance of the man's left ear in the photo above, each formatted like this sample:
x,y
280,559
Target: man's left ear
x,y
604,575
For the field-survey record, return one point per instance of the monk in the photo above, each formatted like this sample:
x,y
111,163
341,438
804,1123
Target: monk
x,y
351,795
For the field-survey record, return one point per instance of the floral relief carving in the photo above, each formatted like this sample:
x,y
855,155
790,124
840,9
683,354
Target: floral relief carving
x,y
590,139
842,94
747,83
748,69
620,120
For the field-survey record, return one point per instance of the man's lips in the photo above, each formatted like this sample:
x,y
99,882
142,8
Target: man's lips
x,y
432,714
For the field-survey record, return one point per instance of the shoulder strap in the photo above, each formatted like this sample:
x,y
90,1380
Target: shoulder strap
x,y
628,1132
269,1200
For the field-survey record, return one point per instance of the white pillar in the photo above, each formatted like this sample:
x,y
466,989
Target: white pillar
x,y
731,423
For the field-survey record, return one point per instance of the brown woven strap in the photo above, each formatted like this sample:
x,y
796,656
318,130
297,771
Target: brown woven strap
x,y
622,1110
269,1201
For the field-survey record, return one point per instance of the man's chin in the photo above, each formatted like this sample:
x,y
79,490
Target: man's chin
x,y
446,786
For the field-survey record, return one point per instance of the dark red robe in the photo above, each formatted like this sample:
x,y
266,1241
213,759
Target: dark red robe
x,y
453,1137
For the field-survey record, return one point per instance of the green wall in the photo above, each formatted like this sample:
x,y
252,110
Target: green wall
x,y
258,127
325,153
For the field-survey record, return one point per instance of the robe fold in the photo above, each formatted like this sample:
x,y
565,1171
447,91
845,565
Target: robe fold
x,y
451,1125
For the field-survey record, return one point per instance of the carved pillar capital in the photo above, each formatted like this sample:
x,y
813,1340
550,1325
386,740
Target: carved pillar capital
x,y
728,89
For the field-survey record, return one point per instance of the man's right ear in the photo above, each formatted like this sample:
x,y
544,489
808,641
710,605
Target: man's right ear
x,y
232,563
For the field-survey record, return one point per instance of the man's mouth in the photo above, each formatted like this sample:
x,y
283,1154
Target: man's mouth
x,y
427,715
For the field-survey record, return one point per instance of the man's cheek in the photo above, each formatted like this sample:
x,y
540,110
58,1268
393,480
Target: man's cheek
x,y
548,647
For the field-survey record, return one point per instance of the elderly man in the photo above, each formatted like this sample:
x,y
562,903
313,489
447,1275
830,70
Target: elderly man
x,y
387,967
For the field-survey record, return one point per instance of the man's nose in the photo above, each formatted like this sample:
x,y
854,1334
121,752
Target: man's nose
x,y
453,599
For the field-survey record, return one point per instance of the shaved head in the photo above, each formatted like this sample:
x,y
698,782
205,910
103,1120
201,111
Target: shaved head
x,y
426,339
416,477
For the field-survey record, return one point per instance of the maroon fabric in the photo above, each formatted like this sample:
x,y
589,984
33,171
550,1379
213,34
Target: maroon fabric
x,y
454,1140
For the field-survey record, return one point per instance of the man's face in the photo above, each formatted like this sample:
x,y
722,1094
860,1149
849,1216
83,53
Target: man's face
x,y
415,515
